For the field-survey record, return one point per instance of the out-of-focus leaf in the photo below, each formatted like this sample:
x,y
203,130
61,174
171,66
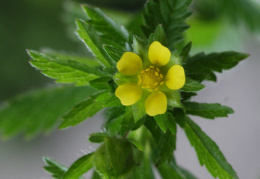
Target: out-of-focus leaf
x,y
97,137
208,152
38,111
206,110
56,169
63,70
79,167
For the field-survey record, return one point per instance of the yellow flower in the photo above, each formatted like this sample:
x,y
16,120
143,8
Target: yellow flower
x,y
155,77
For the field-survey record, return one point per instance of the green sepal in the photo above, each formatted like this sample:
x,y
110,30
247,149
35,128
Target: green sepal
x,y
139,107
98,137
121,79
208,152
79,167
113,158
207,110
173,98
162,121
192,85
185,52
158,35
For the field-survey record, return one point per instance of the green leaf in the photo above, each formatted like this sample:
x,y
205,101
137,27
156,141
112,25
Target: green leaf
x,y
83,110
172,170
110,32
63,70
79,167
92,40
192,85
206,110
208,152
100,83
114,53
171,14
98,137
163,144
56,169
113,158
38,111
162,121
201,66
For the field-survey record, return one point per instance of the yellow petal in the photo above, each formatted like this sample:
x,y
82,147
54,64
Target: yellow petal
x,y
129,93
159,55
130,64
175,77
156,103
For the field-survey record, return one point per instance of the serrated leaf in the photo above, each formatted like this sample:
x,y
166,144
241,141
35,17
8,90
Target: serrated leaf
x,y
207,110
97,137
202,67
56,169
83,110
114,53
110,32
171,14
63,70
162,121
38,111
79,167
93,42
192,85
208,152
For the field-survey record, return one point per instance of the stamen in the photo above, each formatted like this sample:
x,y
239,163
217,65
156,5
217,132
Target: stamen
x,y
150,79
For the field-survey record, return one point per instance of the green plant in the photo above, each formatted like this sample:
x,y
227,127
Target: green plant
x,y
135,139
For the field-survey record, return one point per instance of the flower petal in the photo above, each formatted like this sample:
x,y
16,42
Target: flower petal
x,y
129,93
156,103
159,55
175,77
130,64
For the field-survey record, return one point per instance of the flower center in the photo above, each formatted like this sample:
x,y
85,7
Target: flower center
x,y
150,78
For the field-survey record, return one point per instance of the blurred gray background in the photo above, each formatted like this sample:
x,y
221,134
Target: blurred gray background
x,y
237,136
